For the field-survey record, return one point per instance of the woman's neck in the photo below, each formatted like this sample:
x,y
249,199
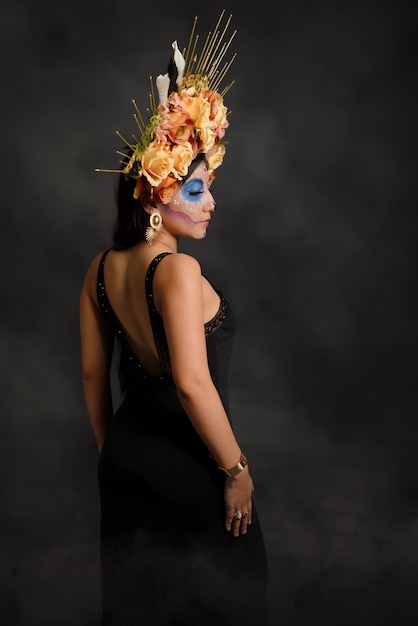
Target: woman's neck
x,y
167,240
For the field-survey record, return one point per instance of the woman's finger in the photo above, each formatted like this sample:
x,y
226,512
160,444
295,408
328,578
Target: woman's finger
x,y
229,519
250,512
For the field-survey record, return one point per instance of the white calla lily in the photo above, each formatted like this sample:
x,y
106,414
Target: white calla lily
x,y
163,84
180,63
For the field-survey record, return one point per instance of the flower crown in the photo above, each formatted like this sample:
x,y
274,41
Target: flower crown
x,y
189,119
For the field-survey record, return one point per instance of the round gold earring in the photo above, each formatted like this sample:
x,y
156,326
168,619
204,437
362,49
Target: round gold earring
x,y
155,224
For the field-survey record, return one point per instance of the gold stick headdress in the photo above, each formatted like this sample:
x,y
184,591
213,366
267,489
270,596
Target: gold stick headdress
x,y
189,119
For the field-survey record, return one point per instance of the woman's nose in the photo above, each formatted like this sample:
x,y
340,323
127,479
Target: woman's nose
x,y
210,204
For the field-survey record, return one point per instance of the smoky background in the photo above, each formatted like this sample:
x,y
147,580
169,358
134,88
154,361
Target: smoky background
x,y
314,243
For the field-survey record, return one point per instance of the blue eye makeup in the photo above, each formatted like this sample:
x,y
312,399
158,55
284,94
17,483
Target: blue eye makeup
x,y
192,189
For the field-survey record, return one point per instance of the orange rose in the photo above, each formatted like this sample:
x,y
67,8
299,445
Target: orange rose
x,y
206,137
198,109
182,157
176,126
215,157
166,194
156,162
166,182
220,131
218,110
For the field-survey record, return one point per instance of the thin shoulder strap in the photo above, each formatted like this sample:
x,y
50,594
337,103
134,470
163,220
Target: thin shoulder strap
x,y
128,356
100,288
156,319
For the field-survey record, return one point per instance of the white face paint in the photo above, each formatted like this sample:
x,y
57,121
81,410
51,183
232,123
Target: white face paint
x,y
192,204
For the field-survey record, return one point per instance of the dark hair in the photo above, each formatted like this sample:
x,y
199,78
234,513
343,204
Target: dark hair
x,y
132,220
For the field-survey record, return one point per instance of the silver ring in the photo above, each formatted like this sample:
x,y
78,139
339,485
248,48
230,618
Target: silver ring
x,y
238,515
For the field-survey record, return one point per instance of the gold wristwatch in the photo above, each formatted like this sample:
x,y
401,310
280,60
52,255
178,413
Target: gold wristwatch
x,y
237,468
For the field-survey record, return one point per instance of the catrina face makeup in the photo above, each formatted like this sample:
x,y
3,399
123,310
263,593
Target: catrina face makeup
x,y
188,213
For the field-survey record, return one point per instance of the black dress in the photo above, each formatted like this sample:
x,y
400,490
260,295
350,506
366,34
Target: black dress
x,y
166,558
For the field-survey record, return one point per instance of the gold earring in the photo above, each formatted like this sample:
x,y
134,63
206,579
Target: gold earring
x,y
155,224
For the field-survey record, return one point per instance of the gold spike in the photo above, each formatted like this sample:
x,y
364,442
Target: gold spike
x,y
141,130
204,62
214,79
219,42
201,65
152,95
223,73
217,61
224,52
205,53
220,19
191,71
225,45
124,140
139,117
208,36
108,171
227,88
121,154
186,51
192,59
135,138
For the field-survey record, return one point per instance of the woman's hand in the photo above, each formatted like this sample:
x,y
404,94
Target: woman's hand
x,y
238,492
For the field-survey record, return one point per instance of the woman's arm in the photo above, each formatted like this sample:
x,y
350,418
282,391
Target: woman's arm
x,y
96,357
178,295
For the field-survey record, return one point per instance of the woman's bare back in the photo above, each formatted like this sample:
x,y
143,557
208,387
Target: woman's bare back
x,y
124,277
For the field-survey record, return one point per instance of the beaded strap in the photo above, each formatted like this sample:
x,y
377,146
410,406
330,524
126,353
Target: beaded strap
x,y
156,319
129,355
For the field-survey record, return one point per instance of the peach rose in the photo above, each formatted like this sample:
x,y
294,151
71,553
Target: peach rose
x,y
182,157
176,126
182,133
215,157
169,180
166,194
220,131
198,109
156,163
206,138
218,110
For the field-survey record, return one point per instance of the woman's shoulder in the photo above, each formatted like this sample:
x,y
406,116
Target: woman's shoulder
x,y
90,278
177,276
178,266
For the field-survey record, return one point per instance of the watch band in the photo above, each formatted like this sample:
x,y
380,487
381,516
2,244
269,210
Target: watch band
x,y
236,469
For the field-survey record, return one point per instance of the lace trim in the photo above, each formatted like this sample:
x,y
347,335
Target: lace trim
x,y
217,320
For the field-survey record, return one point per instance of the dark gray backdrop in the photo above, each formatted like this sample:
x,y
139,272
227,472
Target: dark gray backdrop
x,y
314,243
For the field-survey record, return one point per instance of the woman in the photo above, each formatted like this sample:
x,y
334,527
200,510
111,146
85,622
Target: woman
x,y
180,539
